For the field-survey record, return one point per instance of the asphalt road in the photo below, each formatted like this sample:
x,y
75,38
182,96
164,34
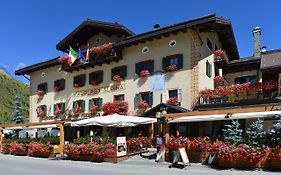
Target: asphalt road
x,y
16,165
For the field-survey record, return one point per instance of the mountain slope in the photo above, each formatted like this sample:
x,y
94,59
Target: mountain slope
x,y
9,87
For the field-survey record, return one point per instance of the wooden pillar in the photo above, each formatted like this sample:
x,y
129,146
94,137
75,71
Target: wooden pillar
x,y
167,137
61,126
78,133
151,130
1,139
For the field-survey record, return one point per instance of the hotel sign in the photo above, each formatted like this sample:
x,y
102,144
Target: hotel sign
x,y
105,89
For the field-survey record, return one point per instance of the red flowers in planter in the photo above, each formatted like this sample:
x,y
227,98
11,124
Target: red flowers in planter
x,y
219,53
176,143
78,110
42,113
173,101
95,82
199,143
144,74
117,78
275,154
119,107
270,85
143,105
58,111
63,60
18,148
77,85
103,49
39,149
58,89
172,68
94,108
40,93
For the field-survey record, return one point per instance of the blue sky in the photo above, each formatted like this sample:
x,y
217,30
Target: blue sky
x,y
30,30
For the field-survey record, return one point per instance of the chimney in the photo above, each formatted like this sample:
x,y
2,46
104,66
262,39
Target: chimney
x,y
257,41
156,27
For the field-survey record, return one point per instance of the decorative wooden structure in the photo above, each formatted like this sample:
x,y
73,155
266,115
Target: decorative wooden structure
x,y
59,124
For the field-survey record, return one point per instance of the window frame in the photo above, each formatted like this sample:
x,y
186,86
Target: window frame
x,y
119,95
60,83
81,79
44,85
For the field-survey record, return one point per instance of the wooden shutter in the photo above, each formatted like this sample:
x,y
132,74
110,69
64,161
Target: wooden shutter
x,y
150,99
100,76
83,79
45,109
165,96
164,63
152,66
124,72
62,84
137,100
63,107
90,105
99,103
37,110
83,105
74,106
179,95
113,70
180,61
55,108
137,68
211,70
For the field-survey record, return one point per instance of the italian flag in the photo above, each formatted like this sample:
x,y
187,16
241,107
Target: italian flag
x,y
72,56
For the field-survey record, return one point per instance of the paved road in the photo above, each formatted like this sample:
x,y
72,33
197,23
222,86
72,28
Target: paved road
x,y
15,165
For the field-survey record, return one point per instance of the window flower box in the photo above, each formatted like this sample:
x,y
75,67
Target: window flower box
x,y
144,74
58,89
78,110
219,53
41,93
77,85
95,83
119,107
94,108
172,68
117,78
41,113
173,101
143,105
58,112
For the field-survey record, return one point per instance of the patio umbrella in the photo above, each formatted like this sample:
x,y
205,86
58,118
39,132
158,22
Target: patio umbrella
x,y
115,120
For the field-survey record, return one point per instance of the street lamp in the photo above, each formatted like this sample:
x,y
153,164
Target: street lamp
x,y
161,120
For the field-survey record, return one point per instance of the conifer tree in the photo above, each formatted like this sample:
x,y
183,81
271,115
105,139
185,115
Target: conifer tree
x,y
17,116
275,132
232,134
255,133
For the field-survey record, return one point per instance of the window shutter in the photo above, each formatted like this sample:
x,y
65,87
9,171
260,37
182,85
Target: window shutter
x,y
90,105
150,99
83,105
46,87
63,83
74,106
180,61
100,76
137,100
112,72
37,110
211,67
165,96
152,67
164,63
124,72
55,108
83,81
63,107
45,109
137,68
179,95
99,103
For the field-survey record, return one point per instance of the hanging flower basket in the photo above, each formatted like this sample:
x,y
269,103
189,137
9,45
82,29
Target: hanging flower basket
x,y
117,78
143,105
41,93
144,74
173,101
101,50
172,68
95,83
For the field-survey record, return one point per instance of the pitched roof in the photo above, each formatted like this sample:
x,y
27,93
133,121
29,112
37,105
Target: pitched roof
x,y
87,29
166,107
271,59
205,23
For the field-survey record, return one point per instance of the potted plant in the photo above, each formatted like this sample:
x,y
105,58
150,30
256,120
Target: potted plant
x,y
196,148
41,113
144,73
58,112
171,68
117,78
274,158
19,149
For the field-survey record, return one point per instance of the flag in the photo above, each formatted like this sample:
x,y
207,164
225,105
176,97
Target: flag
x,y
80,54
73,56
88,53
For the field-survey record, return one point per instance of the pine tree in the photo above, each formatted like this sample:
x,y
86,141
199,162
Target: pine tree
x,y
275,132
232,133
255,133
17,116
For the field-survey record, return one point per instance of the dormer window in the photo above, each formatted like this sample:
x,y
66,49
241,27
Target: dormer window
x,y
59,85
79,81
42,89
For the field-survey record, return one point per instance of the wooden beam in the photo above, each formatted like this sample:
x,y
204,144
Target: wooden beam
x,y
1,140
61,126
30,124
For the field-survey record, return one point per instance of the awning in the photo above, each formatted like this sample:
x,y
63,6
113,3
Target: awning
x,y
115,120
249,115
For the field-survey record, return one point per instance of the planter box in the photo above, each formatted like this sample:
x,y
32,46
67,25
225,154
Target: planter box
x,y
20,153
43,155
242,163
194,156
5,151
81,157
274,164
225,163
115,159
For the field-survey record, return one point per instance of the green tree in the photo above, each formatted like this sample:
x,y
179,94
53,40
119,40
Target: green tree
x,y
275,132
232,134
255,133
17,116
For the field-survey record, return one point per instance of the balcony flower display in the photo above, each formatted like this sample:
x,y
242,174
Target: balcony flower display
x,y
270,85
117,78
119,107
63,60
40,93
95,83
173,101
94,108
39,149
219,81
103,49
144,74
143,105
77,85
172,68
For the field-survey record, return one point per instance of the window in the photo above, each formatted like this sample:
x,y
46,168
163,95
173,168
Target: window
x,y
144,50
59,85
144,66
172,62
246,79
95,104
78,106
209,44
41,111
172,97
146,97
59,108
42,87
172,43
79,81
121,71
119,97
208,69
96,78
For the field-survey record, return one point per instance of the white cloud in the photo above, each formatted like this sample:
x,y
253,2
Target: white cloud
x,y
20,65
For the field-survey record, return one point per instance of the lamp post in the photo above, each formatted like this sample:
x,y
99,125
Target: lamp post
x,y
161,140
